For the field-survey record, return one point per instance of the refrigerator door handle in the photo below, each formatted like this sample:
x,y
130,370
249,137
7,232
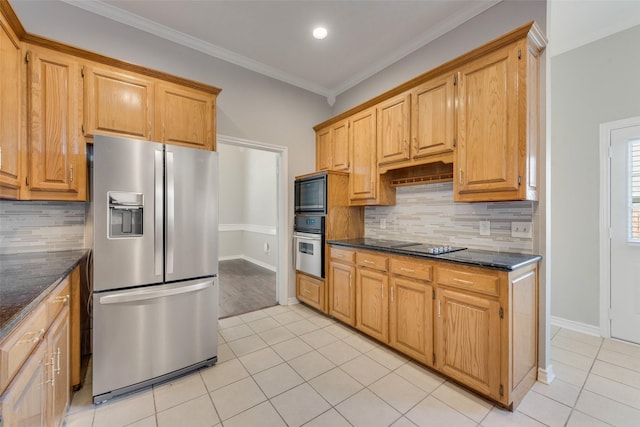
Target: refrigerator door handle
x,y
147,295
170,211
158,208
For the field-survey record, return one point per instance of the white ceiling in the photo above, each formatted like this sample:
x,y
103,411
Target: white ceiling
x,y
274,37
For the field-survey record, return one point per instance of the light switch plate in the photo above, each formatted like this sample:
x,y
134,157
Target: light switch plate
x,y
521,229
485,228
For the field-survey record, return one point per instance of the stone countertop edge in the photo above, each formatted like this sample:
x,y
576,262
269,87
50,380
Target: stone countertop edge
x,y
504,264
75,257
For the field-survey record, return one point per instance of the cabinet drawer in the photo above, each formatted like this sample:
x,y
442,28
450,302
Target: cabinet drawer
x,y
310,290
471,279
369,260
416,269
345,255
16,347
58,299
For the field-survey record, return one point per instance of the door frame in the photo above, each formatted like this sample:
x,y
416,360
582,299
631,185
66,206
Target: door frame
x,y
282,236
605,219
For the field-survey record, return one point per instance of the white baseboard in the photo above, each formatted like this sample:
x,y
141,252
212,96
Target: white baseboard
x,y
576,326
251,260
293,300
546,376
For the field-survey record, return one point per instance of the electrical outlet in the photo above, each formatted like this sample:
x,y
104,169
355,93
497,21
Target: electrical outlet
x,y
383,223
521,229
485,228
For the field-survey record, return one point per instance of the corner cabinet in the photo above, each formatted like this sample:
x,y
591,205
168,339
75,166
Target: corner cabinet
x,y
498,124
10,112
56,165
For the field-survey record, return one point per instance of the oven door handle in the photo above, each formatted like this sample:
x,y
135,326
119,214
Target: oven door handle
x,y
308,236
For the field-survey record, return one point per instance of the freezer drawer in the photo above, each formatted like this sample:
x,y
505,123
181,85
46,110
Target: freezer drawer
x,y
143,335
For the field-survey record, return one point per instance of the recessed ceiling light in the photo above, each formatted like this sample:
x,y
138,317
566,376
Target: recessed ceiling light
x,y
320,33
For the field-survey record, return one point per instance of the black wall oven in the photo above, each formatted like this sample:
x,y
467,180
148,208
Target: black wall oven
x,y
311,195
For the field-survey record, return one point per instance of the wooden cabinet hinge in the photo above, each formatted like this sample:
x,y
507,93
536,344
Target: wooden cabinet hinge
x,y
82,128
455,79
519,180
434,359
501,390
519,53
82,71
455,142
26,181
27,57
501,312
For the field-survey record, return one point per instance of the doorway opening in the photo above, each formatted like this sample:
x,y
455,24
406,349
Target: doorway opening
x,y
253,218
620,230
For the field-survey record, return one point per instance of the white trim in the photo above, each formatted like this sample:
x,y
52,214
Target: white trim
x,y
546,376
251,260
250,228
575,326
605,219
292,301
284,270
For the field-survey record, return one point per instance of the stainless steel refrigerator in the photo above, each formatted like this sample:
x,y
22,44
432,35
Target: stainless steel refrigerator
x,y
155,263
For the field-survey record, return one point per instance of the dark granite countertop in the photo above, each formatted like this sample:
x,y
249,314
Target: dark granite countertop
x,y
480,258
26,279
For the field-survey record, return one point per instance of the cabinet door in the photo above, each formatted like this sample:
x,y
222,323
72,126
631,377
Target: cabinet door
x,y
117,103
372,304
342,292
432,117
468,340
393,129
487,153
323,150
185,116
411,319
340,146
24,402
57,158
58,357
363,179
10,112
310,291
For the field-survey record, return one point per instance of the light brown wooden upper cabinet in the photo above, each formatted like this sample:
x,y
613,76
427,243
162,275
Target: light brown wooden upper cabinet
x,y
497,126
117,103
56,163
394,130
185,116
366,186
332,147
10,112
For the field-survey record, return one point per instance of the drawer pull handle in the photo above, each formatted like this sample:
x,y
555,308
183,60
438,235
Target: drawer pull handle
x,y
366,261
407,270
36,338
63,299
464,282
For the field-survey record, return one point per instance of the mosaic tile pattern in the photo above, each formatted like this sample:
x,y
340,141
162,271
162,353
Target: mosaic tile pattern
x,y
41,226
427,214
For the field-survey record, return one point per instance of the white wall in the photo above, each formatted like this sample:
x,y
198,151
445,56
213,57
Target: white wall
x,y
251,106
248,204
590,85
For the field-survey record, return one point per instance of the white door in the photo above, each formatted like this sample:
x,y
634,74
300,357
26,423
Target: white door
x,y
625,233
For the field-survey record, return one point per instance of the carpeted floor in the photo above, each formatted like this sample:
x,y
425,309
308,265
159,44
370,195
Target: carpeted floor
x,y
244,287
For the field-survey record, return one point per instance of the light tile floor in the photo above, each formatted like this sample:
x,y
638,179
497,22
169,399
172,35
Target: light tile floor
x,y
290,366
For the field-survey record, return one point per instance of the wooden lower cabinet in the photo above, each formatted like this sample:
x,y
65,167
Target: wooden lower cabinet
x,y
468,340
310,290
342,292
38,394
478,326
411,318
372,303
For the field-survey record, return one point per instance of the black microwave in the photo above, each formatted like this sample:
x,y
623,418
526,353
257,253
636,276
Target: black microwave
x,y
311,195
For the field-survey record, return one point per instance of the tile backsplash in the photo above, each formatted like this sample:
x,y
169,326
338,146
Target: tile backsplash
x,y
41,226
427,214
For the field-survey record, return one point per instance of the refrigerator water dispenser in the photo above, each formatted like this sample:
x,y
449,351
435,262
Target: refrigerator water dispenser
x,y
125,214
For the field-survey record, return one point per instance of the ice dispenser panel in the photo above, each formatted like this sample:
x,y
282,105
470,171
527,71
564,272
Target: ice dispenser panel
x,y
125,214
